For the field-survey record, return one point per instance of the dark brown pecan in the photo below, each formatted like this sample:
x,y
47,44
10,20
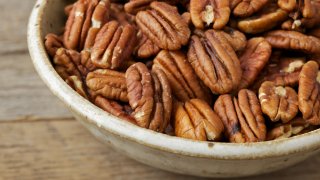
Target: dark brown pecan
x,y
308,94
108,83
52,43
267,19
76,83
236,38
246,8
164,26
293,40
216,12
242,117
64,63
145,48
149,96
196,120
116,109
315,32
253,59
183,81
215,62
113,45
278,102
85,20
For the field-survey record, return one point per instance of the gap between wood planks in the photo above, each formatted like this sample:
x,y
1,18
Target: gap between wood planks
x,y
31,118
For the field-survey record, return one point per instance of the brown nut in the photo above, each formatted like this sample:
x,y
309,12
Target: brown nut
x,y
287,5
145,48
308,93
64,63
241,117
76,83
246,8
84,64
216,12
108,83
116,109
134,6
183,81
269,17
278,102
52,43
113,45
164,26
293,40
85,20
253,59
294,25
236,38
149,96
215,62
196,120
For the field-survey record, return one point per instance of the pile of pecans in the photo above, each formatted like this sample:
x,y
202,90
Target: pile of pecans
x,y
216,70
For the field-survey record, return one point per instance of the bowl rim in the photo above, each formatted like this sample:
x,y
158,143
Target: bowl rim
x,y
171,144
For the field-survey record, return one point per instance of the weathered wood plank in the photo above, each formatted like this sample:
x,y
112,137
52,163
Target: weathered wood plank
x,y
63,149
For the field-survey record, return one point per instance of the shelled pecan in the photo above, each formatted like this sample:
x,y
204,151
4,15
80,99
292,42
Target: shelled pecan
x,y
64,63
246,8
76,83
145,47
52,43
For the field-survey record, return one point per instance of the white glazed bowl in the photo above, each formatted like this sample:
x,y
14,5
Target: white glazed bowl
x,y
210,159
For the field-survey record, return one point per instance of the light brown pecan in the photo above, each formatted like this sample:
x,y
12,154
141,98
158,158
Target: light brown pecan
x,y
182,78
278,102
52,43
196,120
85,20
215,62
216,12
113,45
149,96
116,109
236,38
255,56
76,83
145,47
246,8
293,40
242,117
308,93
265,20
164,26
64,63
287,5
108,83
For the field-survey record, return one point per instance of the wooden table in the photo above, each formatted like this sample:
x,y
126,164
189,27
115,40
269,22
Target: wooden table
x,y
39,139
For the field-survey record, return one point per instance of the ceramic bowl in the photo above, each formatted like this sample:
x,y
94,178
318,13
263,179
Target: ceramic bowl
x,y
209,159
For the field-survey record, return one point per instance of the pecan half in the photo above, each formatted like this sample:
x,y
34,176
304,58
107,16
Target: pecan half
x,y
64,63
293,40
134,6
246,8
241,117
116,109
308,93
215,62
145,48
196,120
236,38
278,102
253,59
216,12
52,43
287,5
84,22
108,83
183,81
76,83
164,26
113,45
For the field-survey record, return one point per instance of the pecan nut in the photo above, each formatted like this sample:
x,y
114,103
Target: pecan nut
x,y
164,26
64,63
215,62
287,5
308,93
246,8
53,43
84,63
253,59
76,84
85,20
236,38
113,45
216,12
242,117
108,83
196,120
183,81
278,102
145,48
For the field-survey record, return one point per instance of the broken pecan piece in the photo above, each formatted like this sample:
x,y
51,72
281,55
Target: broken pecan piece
x,y
215,62
52,43
196,120
246,8
108,83
216,12
113,45
164,26
278,102
76,83
242,117
64,63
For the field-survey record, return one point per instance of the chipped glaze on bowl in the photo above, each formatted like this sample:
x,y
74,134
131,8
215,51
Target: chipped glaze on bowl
x,y
209,159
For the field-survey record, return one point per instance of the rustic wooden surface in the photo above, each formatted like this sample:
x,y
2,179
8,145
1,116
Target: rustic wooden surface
x,y
39,139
